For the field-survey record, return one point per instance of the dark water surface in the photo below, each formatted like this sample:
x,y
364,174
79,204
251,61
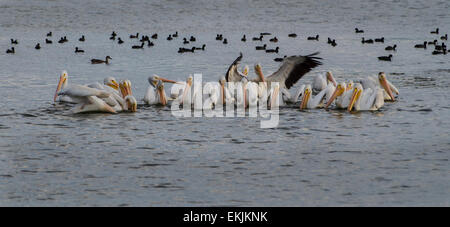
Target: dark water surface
x,y
397,156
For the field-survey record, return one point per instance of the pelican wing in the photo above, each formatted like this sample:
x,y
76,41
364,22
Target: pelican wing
x,y
293,68
83,91
232,74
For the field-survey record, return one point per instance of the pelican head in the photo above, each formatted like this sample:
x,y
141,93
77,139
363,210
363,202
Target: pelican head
x,y
384,83
111,82
131,103
330,78
349,85
306,97
245,70
125,88
189,80
340,89
61,84
155,79
357,91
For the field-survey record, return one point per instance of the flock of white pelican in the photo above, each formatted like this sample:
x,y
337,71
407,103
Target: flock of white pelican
x,y
235,88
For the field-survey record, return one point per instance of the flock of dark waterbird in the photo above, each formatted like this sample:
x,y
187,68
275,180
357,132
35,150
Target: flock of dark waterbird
x,y
146,40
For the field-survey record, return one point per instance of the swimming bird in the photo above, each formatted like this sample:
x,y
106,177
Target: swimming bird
x,y
150,43
385,58
380,40
77,50
445,37
265,33
169,38
155,36
391,47
175,35
87,99
366,41
380,82
155,92
438,52
49,34
82,39
185,41
225,41
366,99
280,59
358,31
314,38
440,47
333,43
112,38
244,39
432,42
321,81
137,46
192,39
201,48
134,36
11,51
120,41
292,35
272,50
183,50
261,47
47,41
38,46
424,45
219,37
14,41
435,32
258,39
98,61
274,39
319,100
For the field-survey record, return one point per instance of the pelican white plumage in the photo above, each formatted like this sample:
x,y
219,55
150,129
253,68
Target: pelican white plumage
x,y
380,82
366,99
151,96
309,102
87,99
321,81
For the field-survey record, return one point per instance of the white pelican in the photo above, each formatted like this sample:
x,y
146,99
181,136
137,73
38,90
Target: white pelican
x,y
366,99
374,82
321,81
225,95
309,102
213,92
129,103
87,99
342,94
151,96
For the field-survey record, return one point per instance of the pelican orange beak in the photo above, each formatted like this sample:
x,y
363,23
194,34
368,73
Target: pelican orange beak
x,y
167,80
338,92
114,85
123,89
305,99
355,96
245,72
349,86
387,88
331,78
62,80
259,72
132,105
162,97
187,88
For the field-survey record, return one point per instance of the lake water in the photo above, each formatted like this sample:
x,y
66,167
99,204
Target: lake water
x,y
397,156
